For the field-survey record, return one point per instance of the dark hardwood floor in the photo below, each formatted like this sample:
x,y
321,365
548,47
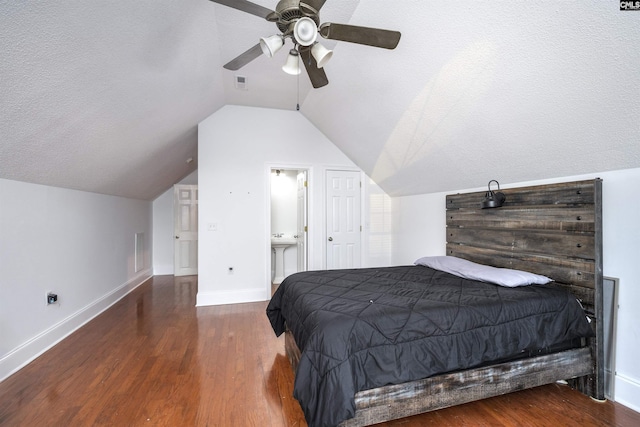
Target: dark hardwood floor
x,y
154,359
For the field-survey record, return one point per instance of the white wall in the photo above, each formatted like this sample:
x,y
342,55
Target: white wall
x,y
163,240
237,147
377,210
163,233
79,245
419,227
420,230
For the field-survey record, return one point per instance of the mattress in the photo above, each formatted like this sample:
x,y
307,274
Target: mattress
x,y
360,329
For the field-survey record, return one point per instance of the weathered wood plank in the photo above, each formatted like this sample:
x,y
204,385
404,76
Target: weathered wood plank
x,y
576,245
397,401
571,193
579,218
565,270
585,295
597,343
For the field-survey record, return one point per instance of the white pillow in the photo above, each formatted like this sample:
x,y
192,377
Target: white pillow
x,y
484,273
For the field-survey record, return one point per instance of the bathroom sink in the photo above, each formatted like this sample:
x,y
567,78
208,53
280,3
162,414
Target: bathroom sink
x,y
279,244
283,241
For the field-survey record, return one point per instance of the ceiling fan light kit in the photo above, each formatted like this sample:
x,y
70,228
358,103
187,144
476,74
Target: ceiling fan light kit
x,y
321,54
305,31
271,45
292,66
299,21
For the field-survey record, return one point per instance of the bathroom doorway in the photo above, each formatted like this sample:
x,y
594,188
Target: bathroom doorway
x,y
289,194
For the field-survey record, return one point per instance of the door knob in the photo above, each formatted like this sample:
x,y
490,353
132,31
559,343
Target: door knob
x,y
177,237
331,239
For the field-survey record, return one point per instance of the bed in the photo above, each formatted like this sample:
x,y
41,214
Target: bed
x,y
373,341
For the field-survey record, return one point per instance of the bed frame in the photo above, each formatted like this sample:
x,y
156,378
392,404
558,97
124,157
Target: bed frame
x,y
555,230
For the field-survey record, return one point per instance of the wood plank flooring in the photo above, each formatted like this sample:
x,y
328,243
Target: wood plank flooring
x,y
154,359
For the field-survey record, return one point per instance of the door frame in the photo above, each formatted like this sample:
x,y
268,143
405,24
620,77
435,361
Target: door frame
x,y
304,209
269,167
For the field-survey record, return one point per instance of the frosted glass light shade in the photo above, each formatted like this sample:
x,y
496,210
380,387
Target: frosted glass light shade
x,y
305,31
292,65
270,45
321,54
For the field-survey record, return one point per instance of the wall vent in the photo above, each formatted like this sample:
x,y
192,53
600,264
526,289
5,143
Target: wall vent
x,y
241,82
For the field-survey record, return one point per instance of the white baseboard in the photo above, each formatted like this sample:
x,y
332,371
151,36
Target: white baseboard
x,y
162,270
231,297
30,350
627,392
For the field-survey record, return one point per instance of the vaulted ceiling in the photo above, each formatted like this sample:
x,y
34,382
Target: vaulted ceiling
x,y
106,96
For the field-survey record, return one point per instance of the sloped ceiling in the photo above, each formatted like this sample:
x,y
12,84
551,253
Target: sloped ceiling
x,y
106,96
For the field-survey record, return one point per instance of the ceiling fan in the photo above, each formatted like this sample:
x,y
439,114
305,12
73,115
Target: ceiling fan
x,y
299,21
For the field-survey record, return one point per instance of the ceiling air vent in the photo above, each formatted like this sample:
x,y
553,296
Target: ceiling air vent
x,y
241,82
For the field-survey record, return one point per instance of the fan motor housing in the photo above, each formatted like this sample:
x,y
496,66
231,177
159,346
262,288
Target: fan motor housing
x,y
289,11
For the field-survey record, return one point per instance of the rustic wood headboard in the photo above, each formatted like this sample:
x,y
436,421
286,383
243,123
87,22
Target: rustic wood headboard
x,y
554,230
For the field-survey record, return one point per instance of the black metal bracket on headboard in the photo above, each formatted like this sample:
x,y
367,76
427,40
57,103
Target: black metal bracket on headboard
x,y
554,230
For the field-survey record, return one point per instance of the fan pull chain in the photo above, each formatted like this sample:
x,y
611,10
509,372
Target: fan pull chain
x,y
298,94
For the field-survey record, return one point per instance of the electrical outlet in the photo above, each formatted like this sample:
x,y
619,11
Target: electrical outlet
x,y
52,298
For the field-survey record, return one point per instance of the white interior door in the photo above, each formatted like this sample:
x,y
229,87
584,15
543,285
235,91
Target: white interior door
x,y
343,219
185,201
301,232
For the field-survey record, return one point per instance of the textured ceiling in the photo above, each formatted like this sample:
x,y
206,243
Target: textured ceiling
x,y
481,90
106,96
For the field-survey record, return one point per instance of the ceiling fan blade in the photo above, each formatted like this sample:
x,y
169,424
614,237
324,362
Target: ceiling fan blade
x,y
317,75
311,7
362,35
244,58
246,6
